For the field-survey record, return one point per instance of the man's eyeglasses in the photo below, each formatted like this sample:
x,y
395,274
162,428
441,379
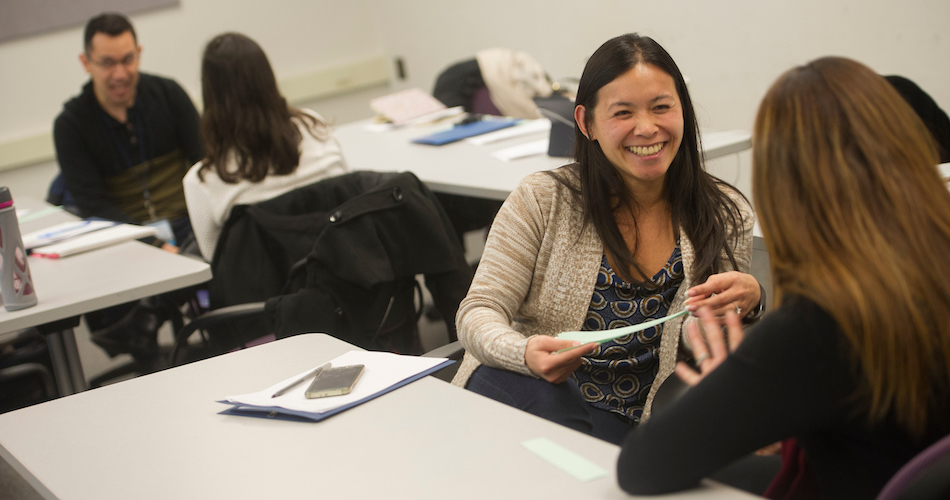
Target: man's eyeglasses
x,y
109,63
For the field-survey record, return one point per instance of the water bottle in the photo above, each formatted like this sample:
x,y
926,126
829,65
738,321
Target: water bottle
x,y
16,283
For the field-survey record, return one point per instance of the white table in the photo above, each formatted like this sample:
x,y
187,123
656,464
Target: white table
x,y
467,169
160,436
69,287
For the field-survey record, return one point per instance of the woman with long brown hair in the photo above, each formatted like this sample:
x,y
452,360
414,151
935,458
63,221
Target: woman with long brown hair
x,y
855,362
256,146
633,231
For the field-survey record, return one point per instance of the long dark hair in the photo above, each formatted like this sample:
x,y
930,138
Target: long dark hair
x,y
857,219
245,119
697,204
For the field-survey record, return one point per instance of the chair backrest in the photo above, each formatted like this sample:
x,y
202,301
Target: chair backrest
x,y
925,477
357,242
361,273
928,110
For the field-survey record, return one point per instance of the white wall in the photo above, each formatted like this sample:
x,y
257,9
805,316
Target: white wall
x,y
730,49
38,74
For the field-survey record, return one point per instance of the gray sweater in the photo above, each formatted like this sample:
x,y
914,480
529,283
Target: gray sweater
x,y
537,274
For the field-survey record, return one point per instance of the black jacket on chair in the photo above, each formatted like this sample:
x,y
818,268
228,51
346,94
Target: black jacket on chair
x,y
361,239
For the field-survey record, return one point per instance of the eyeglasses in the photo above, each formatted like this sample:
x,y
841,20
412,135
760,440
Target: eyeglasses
x,y
109,63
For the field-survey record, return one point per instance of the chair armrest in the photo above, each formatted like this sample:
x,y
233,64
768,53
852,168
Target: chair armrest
x,y
27,369
212,318
453,350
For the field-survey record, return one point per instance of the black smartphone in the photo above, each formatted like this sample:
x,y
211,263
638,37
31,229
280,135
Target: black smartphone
x,y
334,381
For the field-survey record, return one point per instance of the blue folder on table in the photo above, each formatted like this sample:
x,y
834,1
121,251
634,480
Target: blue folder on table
x,y
464,131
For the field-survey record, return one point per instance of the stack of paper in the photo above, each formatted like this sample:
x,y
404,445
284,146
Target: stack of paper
x,y
64,231
404,106
96,239
384,372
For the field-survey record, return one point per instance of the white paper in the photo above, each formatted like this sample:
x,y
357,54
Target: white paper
x,y
522,150
382,371
524,128
445,114
63,231
97,239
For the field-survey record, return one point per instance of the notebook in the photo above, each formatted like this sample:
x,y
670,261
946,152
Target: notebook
x,y
64,231
97,239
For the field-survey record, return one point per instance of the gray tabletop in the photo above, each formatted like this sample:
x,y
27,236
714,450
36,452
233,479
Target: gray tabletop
x,y
468,169
160,436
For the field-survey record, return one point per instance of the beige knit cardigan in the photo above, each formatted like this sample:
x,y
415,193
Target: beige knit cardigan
x,y
536,277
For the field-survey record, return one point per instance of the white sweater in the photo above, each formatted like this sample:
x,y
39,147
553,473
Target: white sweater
x,y
210,201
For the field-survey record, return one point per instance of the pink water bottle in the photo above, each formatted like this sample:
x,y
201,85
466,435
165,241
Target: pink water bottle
x,y
16,283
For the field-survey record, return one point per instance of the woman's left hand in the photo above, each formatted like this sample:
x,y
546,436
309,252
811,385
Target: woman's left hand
x,y
730,291
711,351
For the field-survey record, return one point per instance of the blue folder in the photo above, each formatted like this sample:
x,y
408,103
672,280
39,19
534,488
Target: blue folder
x,y
464,131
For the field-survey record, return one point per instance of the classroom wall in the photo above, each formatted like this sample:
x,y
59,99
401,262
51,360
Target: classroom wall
x,y
731,50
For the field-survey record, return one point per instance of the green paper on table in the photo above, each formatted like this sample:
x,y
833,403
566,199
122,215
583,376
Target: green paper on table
x,y
601,336
565,459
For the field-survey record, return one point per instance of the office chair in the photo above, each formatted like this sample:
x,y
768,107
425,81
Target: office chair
x,y
26,376
925,477
934,118
177,313
461,84
367,236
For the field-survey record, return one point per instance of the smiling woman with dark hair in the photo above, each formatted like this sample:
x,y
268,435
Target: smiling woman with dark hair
x,y
622,236
257,147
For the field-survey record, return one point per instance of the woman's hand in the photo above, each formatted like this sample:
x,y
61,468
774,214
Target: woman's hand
x,y
710,352
544,361
730,291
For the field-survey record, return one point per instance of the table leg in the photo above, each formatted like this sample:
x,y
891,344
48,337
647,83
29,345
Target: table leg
x,y
61,370
73,361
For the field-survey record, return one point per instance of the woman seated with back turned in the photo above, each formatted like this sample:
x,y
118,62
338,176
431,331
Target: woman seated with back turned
x,y
614,239
855,362
256,146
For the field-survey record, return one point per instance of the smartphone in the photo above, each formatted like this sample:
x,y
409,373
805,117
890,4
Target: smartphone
x,y
334,381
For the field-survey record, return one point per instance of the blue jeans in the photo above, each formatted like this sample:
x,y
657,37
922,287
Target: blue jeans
x,y
560,403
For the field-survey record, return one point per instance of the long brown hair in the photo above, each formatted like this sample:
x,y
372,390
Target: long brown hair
x,y
245,118
857,219
697,204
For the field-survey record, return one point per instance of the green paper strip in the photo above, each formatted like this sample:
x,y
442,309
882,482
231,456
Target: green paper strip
x,y
564,459
601,336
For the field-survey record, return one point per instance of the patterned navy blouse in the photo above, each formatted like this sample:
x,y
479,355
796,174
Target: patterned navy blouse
x,y
618,375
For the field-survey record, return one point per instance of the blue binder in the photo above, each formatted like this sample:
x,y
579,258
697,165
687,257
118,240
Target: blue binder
x,y
464,131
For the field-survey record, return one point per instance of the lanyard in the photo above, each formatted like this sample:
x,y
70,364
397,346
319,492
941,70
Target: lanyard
x,y
139,114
